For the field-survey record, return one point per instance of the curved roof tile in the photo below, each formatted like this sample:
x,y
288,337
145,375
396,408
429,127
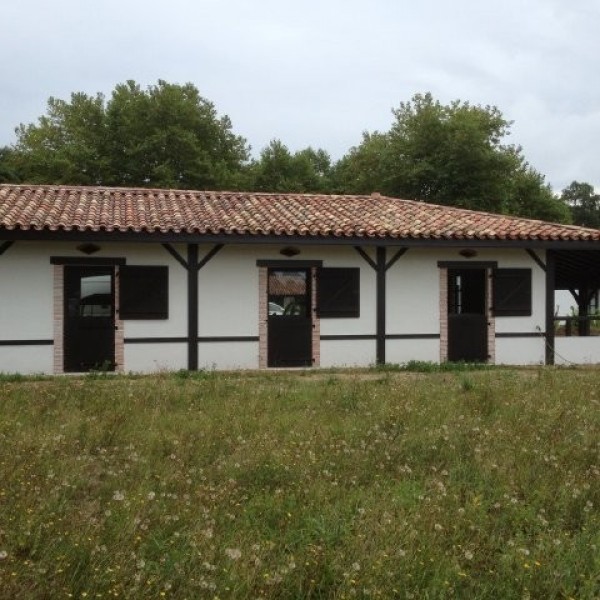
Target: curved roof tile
x,y
80,208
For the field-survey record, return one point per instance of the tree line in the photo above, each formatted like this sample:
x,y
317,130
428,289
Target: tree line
x,y
169,136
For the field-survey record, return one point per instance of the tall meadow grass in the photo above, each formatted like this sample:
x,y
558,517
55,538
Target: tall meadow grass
x,y
465,484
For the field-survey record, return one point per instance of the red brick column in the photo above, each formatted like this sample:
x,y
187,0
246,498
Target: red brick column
x,y
316,322
119,329
263,320
443,315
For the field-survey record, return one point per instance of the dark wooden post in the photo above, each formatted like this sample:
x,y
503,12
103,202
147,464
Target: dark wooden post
x,y
192,282
381,304
550,282
380,266
192,266
583,322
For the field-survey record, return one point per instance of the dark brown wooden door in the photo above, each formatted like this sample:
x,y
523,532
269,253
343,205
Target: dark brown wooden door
x,y
289,337
467,318
89,325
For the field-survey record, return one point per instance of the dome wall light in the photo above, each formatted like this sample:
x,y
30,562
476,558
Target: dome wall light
x,y
289,251
468,253
88,248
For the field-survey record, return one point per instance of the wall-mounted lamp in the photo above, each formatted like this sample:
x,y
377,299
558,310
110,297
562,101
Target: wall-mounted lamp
x,y
88,248
468,253
289,251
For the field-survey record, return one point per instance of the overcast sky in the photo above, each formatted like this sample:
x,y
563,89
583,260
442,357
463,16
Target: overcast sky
x,y
320,72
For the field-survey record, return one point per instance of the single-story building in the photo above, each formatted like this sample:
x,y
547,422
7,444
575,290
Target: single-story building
x,y
150,279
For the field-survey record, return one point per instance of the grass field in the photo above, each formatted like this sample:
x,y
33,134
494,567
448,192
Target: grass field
x,y
369,484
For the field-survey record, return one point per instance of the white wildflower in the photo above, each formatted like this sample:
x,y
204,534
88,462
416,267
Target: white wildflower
x,y
233,553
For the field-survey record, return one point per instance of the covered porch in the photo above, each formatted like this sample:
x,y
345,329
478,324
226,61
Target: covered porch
x,y
573,328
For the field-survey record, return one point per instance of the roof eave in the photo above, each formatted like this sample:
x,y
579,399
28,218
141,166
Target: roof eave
x,y
301,240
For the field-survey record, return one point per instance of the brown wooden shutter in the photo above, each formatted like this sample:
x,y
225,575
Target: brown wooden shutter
x,y
143,292
338,292
512,292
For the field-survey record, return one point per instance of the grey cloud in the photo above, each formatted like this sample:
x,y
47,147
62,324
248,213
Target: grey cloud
x,y
320,72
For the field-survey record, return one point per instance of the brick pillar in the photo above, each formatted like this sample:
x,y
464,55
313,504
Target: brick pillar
x,y
316,322
443,315
119,329
58,319
263,314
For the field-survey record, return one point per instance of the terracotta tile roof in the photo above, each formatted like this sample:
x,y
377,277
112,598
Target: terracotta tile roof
x,y
75,208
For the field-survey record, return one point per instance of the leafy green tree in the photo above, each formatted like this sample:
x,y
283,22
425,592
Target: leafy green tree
x,y
584,204
164,136
7,171
451,155
278,170
169,136
532,198
66,145
365,168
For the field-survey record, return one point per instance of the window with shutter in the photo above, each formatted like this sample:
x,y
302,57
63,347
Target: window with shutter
x,y
143,292
512,292
338,292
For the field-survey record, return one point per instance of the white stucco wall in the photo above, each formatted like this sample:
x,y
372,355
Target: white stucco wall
x,y
403,351
26,359
413,294
520,351
578,350
228,293
228,307
347,353
25,309
228,355
26,293
150,358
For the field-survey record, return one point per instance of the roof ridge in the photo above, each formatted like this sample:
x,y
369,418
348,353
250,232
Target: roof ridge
x,y
179,190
